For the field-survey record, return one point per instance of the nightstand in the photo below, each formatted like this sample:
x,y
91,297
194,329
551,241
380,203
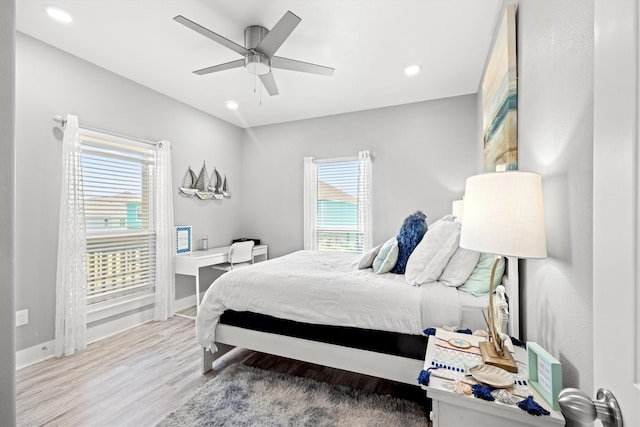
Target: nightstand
x,y
453,409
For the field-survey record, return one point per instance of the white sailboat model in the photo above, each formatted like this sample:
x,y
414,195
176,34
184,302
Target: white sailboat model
x,y
216,185
187,189
204,187
202,184
225,189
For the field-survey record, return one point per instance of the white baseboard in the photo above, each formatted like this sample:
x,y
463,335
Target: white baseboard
x,y
183,303
40,352
35,354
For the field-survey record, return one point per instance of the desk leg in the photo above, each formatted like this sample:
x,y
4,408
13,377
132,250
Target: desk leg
x,y
197,290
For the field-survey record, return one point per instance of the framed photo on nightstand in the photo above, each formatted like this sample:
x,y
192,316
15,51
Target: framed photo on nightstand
x,y
545,373
183,239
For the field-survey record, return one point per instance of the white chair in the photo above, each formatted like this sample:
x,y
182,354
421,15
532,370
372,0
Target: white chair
x,y
240,255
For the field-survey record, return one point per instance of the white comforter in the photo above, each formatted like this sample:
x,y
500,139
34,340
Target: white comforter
x,y
327,288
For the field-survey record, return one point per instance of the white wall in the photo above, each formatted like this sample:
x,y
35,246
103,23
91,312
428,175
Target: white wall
x,y
423,153
50,82
7,181
555,132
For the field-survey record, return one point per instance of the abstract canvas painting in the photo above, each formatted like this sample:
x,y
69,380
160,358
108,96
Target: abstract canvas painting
x,y
500,98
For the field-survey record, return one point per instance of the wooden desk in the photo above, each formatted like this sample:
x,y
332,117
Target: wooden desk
x,y
190,264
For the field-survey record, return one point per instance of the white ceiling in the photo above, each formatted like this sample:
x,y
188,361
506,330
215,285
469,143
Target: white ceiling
x,y
368,42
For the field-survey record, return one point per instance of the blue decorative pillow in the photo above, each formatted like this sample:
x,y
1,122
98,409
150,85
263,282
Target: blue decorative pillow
x,y
413,229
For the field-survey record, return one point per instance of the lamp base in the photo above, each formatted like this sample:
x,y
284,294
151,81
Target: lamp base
x,y
491,357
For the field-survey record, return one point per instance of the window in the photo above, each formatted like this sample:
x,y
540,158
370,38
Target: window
x,y
338,204
118,182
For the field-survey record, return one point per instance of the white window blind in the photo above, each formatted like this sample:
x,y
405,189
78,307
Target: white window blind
x,y
342,205
118,185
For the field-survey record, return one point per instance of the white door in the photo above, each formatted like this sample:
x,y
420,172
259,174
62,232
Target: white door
x,y
616,256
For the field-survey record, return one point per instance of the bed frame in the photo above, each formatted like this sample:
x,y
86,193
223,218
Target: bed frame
x,y
391,367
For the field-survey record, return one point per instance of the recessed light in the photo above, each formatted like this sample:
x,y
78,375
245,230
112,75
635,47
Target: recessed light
x,y
59,14
232,105
412,70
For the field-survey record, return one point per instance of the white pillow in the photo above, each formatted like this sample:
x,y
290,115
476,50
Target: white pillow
x,y
430,257
447,217
459,267
368,257
387,257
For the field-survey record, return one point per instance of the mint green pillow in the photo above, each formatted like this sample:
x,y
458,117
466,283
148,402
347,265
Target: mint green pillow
x,y
387,257
478,282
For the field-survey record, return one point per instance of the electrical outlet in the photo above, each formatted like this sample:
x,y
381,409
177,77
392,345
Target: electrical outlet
x,y
22,317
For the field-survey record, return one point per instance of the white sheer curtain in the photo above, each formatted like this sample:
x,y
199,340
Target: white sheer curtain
x,y
165,279
364,198
310,203
71,280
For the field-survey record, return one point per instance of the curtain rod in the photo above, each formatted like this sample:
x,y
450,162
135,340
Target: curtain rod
x,y
58,118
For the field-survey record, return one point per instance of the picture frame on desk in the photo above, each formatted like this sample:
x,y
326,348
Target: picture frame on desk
x,y
545,374
183,238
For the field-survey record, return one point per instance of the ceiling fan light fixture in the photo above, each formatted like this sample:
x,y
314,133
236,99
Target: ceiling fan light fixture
x,y
59,14
412,70
257,63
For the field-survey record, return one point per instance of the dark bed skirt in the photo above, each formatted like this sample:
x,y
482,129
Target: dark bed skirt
x,y
409,346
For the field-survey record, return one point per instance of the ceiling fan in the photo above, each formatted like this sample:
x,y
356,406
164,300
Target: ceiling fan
x,y
260,46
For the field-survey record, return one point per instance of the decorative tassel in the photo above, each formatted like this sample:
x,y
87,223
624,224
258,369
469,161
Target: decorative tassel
x,y
432,331
517,342
458,387
532,407
429,331
505,397
425,376
482,392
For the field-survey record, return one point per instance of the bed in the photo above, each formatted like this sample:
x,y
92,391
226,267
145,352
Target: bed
x,y
319,307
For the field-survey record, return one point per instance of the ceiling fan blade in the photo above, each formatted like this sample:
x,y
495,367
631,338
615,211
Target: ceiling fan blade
x,y
226,66
210,34
278,34
305,67
269,83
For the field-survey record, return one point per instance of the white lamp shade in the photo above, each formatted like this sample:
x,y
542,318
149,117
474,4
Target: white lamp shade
x,y
504,215
457,209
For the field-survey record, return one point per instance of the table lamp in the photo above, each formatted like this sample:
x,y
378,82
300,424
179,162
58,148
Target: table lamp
x,y
503,215
457,209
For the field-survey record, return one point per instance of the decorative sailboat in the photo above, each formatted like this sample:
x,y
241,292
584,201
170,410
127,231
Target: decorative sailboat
x,y
225,189
204,187
187,189
202,184
216,185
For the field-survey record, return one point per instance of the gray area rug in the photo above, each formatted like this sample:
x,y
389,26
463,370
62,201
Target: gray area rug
x,y
246,396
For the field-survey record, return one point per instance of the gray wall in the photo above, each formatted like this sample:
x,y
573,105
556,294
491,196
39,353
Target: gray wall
x,y
423,153
555,130
51,82
413,168
7,182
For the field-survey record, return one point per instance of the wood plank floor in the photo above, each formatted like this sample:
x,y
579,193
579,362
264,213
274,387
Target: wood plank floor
x,y
138,377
